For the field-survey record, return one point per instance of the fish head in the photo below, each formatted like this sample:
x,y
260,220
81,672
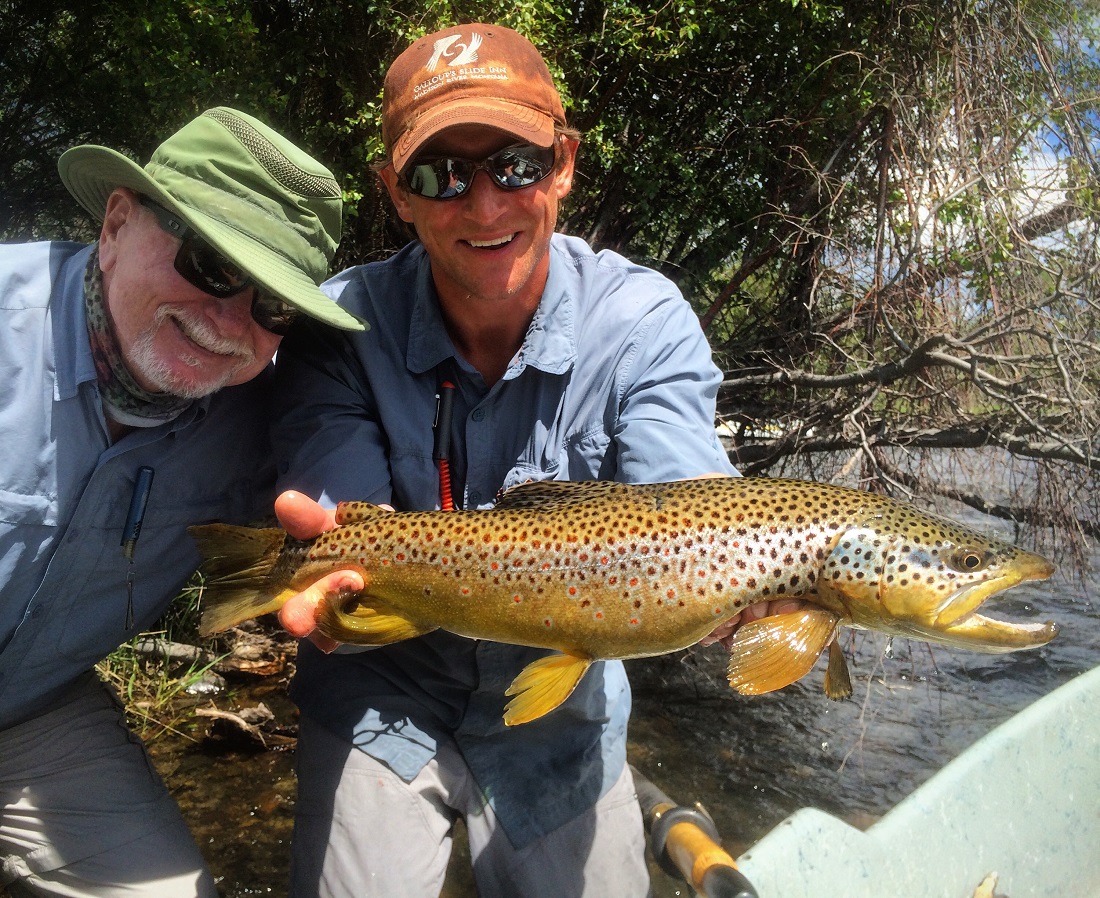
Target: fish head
x,y
909,573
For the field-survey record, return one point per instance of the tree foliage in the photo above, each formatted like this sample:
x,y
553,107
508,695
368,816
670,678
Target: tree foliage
x,y
884,212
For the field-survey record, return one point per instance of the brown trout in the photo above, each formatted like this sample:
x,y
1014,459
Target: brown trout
x,y
608,570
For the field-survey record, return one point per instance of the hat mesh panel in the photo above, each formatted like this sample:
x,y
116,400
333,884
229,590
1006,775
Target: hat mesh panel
x,y
277,165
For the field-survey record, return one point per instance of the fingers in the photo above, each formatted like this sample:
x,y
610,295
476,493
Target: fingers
x,y
767,609
299,615
724,632
301,517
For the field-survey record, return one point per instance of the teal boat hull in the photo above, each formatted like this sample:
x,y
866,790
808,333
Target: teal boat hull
x,y
1022,803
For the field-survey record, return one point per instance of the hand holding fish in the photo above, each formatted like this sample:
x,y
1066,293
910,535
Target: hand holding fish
x,y
724,633
305,519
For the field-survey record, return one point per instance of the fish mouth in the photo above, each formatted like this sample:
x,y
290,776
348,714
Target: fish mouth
x,y
958,623
985,634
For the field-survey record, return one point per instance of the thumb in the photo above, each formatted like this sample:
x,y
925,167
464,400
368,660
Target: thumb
x,y
299,615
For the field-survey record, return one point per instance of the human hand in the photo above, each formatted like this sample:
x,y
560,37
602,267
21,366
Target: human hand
x,y
724,633
303,518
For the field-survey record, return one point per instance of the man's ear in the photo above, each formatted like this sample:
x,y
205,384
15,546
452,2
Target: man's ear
x,y
122,204
567,159
398,196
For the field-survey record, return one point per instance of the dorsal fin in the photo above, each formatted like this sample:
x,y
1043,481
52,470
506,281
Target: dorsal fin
x,y
547,493
353,512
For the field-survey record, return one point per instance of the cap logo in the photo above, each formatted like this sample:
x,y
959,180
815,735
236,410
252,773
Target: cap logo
x,y
443,47
461,65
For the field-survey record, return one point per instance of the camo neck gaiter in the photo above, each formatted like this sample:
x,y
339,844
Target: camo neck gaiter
x,y
124,400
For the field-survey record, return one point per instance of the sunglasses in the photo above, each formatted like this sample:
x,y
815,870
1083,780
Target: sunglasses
x,y
445,177
202,266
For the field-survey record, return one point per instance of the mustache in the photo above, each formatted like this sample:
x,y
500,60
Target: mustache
x,y
143,357
199,330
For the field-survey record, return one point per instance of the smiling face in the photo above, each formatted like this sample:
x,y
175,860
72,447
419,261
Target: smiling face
x,y
174,337
488,244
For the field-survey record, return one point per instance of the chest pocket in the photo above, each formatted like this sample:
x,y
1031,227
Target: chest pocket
x,y
86,581
588,456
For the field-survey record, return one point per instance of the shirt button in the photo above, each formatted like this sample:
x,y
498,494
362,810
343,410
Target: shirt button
x,y
475,499
479,414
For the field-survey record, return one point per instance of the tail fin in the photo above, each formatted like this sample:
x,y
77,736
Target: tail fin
x,y
237,565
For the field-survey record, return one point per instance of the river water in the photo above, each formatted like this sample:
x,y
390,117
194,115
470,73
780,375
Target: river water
x,y
750,761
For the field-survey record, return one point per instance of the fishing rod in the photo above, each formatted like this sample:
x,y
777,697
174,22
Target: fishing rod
x,y
686,844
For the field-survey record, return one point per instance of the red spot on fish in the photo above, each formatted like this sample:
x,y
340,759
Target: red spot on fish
x,y
572,590
717,610
548,623
517,598
599,615
671,593
634,621
465,590
494,566
633,581
400,556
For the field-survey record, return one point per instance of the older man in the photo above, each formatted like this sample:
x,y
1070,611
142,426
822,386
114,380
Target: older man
x,y
134,402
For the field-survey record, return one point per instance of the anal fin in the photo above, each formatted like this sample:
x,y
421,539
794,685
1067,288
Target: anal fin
x,y
775,651
838,682
543,685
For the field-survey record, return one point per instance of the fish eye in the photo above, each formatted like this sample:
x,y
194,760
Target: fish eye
x,y
968,561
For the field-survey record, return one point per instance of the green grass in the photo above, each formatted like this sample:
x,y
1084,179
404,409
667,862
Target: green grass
x,y
151,686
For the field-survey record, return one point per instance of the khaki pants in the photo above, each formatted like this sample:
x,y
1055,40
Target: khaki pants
x,y
83,812
362,831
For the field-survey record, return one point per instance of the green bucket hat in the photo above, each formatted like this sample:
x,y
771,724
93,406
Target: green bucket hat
x,y
253,195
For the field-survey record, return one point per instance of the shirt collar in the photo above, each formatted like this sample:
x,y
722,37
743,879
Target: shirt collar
x,y
72,351
550,344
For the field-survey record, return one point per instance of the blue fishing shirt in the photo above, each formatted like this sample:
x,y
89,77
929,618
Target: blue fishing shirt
x,y
65,490
614,381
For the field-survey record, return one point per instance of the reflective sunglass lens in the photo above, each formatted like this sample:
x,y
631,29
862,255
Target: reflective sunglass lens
x,y
514,168
437,179
272,314
208,269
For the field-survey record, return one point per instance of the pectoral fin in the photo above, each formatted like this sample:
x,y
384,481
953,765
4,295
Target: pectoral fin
x,y
362,620
543,685
775,651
